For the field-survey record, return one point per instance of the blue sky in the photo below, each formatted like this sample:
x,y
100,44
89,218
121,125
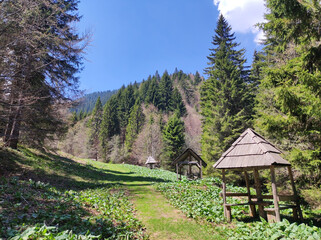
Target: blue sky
x,y
132,39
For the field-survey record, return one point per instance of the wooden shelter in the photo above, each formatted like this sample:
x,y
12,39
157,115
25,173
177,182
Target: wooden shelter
x,y
251,152
151,162
189,158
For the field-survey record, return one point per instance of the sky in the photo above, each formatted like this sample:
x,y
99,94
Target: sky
x,y
132,39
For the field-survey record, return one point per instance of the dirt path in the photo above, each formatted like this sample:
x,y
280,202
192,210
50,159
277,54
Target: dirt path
x,y
163,221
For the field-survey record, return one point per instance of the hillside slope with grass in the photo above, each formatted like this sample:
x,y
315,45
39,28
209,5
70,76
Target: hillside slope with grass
x,y
50,196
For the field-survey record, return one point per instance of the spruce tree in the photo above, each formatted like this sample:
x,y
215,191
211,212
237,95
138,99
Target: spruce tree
x,y
94,126
109,125
174,140
177,103
289,99
225,100
197,78
135,124
165,91
152,92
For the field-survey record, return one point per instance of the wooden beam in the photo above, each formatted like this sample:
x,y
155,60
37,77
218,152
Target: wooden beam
x,y
224,192
275,195
252,207
201,173
177,170
295,194
258,192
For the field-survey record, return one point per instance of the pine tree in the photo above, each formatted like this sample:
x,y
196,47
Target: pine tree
x,y
174,140
165,91
225,100
135,124
197,78
289,98
109,125
94,126
151,95
40,56
126,100
177,103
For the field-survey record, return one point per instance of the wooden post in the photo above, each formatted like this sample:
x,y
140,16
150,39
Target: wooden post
x,y
295,195
252,206
275,195
224,192
258,192
177,170
201,173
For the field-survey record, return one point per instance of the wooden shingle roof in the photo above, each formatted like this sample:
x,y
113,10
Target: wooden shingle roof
x,y
186,153
250,150
150,160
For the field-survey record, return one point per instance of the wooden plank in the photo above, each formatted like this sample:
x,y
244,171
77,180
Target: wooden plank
x,y
275,195
286,198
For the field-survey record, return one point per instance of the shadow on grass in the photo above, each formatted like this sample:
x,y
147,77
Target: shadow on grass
x,y
63,173
29,203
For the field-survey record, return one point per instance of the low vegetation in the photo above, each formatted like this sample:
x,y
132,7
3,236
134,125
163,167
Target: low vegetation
x,y
51,197
201,200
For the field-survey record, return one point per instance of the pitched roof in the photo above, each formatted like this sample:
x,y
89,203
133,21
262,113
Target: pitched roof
x,y
150,159
250,150
186,153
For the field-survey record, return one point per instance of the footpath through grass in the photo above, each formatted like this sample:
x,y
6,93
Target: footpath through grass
x,y
51,197
45,196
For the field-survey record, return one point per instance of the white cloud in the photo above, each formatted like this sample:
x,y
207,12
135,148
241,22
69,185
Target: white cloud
x,y
242,15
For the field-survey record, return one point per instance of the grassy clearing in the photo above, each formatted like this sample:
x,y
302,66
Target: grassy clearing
x,y
83,199
79,199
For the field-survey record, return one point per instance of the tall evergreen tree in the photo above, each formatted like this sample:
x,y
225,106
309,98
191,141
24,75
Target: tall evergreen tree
x,y
152,92
197,78
177,103
165,91
135,124
109,125
225,100
289,99
39,53
94,126
174,140
126,100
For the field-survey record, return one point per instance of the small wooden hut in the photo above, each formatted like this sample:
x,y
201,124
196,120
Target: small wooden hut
x,y
251,152
151,162
189,158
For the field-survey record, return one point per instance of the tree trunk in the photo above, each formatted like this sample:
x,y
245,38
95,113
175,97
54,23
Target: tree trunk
x,y
12,132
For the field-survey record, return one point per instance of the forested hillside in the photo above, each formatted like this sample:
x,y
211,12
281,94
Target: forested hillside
x,y
158,117
87,103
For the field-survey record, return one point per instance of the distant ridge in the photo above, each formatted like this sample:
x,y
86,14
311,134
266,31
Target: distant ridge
x,y
87,103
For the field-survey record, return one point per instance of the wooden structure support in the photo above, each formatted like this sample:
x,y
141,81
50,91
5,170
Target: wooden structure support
x,y
189,158
251,152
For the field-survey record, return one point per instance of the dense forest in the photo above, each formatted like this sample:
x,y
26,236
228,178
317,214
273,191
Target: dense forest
x,y
158,117
87,103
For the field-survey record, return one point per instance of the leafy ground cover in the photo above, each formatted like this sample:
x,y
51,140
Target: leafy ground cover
x,y
85,199
81,201
201,200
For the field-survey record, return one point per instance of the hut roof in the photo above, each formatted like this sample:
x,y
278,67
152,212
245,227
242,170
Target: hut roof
x,y
150,160
188,152
250,150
